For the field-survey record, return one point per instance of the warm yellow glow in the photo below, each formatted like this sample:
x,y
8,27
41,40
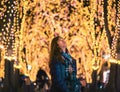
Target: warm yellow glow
x,y
41,20
2,52
41,24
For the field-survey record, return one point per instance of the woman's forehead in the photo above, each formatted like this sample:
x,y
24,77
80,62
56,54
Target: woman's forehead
x,y
60,38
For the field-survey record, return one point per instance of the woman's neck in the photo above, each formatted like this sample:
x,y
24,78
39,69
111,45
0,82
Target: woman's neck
x,y
64,50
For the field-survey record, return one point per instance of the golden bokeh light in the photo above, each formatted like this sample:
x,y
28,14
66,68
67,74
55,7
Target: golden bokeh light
x,y
36,22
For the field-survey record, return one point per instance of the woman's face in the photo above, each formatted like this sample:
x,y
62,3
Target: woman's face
x,y
62,44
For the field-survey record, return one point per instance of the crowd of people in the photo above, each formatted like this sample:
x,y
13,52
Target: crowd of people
x,y
43,83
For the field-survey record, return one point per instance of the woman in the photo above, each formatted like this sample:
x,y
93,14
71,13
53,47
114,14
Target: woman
x,y
62,68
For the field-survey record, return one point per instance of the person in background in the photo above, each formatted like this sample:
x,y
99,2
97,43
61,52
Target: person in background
x,y
28,85
62,68
42,80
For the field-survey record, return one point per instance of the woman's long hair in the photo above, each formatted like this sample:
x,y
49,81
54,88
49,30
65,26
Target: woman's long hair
x,y
55,53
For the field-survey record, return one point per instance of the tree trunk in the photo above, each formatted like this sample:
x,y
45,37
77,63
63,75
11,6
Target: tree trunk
x,y
106,23
114,80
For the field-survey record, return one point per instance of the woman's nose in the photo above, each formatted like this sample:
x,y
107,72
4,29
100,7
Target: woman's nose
x,y
64,42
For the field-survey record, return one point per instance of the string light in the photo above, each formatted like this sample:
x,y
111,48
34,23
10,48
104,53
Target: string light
x,y
116,36
41,20
8,29
44,22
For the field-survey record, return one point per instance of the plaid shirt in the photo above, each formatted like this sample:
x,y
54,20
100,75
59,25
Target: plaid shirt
x,y
70,73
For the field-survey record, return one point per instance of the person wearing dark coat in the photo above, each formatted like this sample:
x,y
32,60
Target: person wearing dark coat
x,y
62,68
42,79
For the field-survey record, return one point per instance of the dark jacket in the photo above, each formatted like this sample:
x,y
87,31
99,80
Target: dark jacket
x,y
57,70
60,81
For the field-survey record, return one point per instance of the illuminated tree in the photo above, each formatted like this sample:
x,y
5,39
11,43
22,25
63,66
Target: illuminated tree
x,y
81,26
113,85
85,25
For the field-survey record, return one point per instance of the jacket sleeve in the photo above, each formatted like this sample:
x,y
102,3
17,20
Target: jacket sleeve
x,y
57,77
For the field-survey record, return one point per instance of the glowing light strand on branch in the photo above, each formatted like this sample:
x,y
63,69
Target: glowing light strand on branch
x,y
117,31
9,26
37,30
